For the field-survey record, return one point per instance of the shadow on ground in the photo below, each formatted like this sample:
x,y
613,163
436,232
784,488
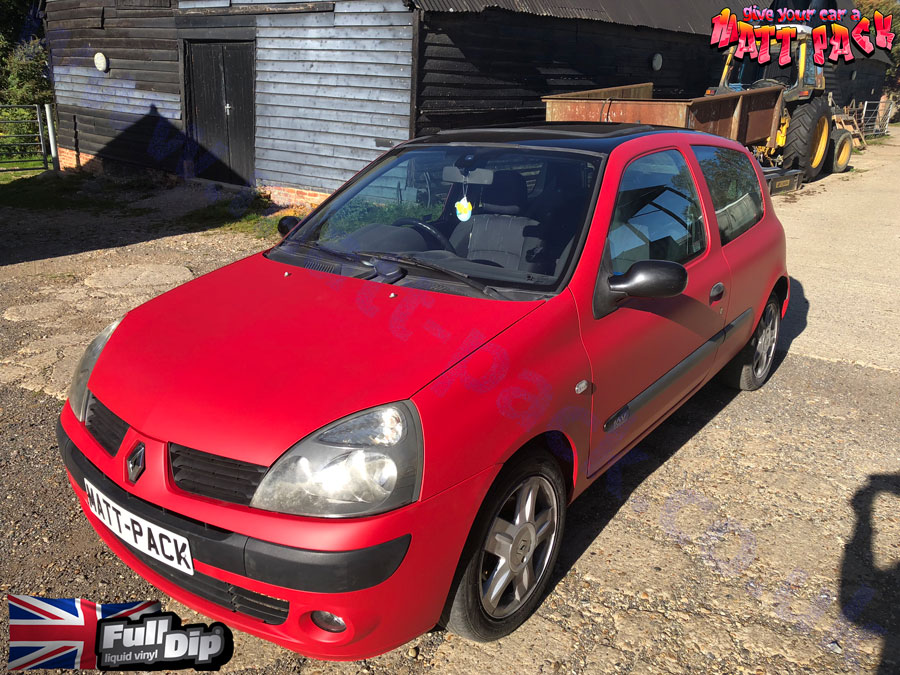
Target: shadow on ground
x,y
598,505
591,512
116,201
870,595
48,215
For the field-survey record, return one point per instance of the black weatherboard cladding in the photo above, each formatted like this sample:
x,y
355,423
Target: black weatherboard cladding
x,y
131,113
495,67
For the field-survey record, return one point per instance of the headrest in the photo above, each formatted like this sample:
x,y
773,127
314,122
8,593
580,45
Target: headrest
x,y
507,195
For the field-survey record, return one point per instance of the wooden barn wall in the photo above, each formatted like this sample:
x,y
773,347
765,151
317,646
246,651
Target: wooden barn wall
x,y
133,111
868,85
495,66
332,91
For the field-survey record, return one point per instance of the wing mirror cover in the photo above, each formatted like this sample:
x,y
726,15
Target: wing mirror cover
x,y
651,279
287,224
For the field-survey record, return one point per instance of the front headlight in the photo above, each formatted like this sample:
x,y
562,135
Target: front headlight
x,y
78,388
367,463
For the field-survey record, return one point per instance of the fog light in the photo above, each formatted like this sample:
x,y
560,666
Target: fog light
x,y
328,621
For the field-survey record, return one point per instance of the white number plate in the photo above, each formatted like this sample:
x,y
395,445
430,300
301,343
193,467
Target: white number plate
x,y
157,542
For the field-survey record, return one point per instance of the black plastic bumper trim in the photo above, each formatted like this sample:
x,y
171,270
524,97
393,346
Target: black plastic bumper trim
x,y
295,568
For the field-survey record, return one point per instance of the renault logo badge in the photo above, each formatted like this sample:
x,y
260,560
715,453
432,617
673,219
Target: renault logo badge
x,y
135,463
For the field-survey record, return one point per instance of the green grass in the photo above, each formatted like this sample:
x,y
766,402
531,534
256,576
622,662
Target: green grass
x,y
877,140
25,169
249,214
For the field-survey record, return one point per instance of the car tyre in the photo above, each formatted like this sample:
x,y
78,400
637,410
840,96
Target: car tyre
x,y
511,550
750,368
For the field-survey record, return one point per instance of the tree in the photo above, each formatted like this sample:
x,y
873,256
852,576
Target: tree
x,y
886,7
23,58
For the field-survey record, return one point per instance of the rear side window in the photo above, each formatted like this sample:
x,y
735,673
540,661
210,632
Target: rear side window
x,y
657,214
734,187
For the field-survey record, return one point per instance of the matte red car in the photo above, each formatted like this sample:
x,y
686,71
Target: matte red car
x,y
376,426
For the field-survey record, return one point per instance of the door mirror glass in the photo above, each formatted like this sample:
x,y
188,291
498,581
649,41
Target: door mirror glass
x,y
651,279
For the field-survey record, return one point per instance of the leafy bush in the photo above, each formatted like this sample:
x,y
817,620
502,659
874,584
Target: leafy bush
x,y
24,70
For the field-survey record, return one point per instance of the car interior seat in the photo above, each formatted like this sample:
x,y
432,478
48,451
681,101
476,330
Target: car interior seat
x,y
501,234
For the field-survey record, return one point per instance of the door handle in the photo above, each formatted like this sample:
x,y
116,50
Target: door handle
x,y
227,109
716,292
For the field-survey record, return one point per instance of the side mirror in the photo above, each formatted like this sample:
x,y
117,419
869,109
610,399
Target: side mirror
x,y
651,279
287,224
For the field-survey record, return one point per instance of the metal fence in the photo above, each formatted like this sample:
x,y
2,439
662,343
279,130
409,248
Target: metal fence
x,y
873,117
27,141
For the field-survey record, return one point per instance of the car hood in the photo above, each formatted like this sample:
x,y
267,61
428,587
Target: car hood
x,y
247,360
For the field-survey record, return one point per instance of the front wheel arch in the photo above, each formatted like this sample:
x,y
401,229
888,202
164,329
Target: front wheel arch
x,y
460,599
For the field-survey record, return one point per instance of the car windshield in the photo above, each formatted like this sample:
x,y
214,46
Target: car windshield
x,y
504,216
749,71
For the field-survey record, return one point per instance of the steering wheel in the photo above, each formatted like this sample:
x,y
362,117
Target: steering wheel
x,y
430,229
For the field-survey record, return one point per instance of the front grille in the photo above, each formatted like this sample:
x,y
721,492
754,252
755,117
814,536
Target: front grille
x,y
104,425
234,598
213,476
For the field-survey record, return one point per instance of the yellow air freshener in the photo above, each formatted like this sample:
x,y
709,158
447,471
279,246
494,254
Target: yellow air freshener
x,y
463,209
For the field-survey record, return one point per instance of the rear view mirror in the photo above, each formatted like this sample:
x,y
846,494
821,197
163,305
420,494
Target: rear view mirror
x,y
287,224
651,279
452,174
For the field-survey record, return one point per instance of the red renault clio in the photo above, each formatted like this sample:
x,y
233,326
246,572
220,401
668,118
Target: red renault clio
x,y
377,425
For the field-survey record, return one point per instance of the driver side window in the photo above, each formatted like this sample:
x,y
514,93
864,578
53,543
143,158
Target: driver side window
x,y
657,214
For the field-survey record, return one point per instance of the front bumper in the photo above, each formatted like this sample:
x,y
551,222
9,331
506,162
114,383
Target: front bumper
x,y
387,593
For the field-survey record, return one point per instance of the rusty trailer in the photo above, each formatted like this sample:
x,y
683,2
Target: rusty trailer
x,y
750,117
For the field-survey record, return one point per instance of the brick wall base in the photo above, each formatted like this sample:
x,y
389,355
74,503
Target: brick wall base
x,y
280,195
72,159
288,196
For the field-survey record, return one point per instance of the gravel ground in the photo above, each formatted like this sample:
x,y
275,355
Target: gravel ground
x,y
751,533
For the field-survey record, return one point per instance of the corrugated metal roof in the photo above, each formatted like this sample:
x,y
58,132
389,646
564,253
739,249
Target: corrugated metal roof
x,y
684,16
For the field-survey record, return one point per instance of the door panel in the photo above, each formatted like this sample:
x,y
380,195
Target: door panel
x,y
648,354
238,60
208,125
221,95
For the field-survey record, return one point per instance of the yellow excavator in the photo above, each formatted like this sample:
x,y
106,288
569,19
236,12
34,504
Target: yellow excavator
x,y
806,138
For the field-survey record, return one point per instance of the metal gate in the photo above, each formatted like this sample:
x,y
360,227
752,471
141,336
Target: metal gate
x,y
23,145
873,117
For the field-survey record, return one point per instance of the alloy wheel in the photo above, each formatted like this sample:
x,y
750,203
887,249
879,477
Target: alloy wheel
x,y
767,336
518,546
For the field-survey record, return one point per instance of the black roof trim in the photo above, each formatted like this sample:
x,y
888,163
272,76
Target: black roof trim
x,y
599,137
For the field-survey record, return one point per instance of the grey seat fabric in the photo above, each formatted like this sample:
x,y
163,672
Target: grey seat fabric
x,y
500,235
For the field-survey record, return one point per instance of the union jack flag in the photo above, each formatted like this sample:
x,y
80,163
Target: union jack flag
x,y
61,633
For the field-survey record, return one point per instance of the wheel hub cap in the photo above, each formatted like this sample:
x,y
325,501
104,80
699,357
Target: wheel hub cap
x,y
522,548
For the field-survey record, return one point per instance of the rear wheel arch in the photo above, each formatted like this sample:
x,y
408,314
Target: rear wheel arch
x,y
782,290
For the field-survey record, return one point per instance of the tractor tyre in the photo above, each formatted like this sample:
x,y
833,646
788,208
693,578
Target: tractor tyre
x,y
839,151
806,145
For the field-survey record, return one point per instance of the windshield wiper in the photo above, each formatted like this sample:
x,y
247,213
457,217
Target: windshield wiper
x,y
416,262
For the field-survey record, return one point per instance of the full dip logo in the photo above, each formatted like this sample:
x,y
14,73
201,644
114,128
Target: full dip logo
x,y
158,641
80,634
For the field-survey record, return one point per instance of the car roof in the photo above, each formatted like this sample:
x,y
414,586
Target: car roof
x,y
598,137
